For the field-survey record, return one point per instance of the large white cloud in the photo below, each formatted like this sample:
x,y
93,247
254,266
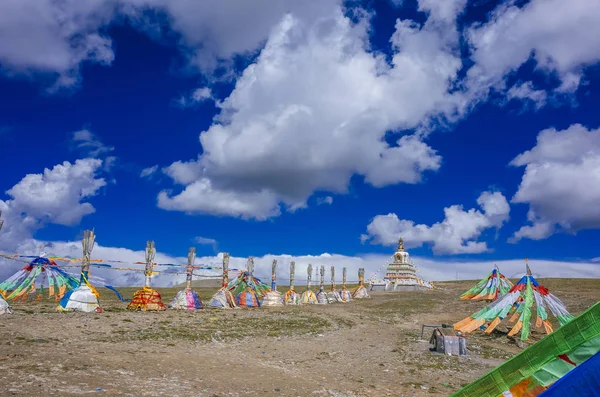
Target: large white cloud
x,y
562,36
456,234
314,110
215,31
561,182
56,196
54,37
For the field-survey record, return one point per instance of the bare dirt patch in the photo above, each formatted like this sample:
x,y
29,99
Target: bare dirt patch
x,y
364,348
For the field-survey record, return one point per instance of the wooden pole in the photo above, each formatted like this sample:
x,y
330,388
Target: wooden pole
x,y
332,278
344,277
225,270
1,221
274,275
292,274
322,277
309,270
250,267
190,268
150,254
89,239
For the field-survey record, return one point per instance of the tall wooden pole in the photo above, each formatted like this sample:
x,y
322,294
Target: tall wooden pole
x,y
89,239
344,277
332,278
250,268
309,270
225,270
361,276
274,275
292,274
322,277
150,254
190,268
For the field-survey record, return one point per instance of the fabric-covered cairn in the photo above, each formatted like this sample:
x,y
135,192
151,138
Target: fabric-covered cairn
x,y
518,303
273,297
146,298
84,298
187,299
557,365
223,298
245,279
308,296
333,295
493,286
42,272
246,288
360,291
322,297
345,294
291,297
4,306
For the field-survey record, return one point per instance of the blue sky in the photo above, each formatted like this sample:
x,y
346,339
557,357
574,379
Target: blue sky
x,y
303,114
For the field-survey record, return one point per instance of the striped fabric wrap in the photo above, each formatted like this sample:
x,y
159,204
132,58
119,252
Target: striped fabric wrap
x,y
492,287
536,370
45,273
186,299
518,303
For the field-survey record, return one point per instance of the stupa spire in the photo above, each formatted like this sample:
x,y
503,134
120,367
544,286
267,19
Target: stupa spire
x,y
400,245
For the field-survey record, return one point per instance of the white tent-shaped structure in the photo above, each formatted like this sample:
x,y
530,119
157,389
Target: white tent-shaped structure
x,y
84,298
333,295
273,297
308,297
223,298
4,307
322,297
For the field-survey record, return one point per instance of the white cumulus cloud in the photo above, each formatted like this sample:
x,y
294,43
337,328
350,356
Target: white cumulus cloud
x,y
314,110
54,37
456,234
562,36
56,196
561,182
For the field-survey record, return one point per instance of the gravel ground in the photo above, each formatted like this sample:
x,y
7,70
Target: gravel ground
x,y
370,347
